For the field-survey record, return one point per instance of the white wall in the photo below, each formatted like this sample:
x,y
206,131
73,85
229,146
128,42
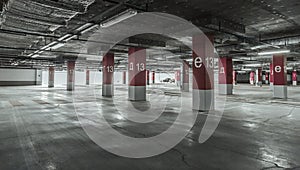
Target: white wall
x,y
60,77
20,76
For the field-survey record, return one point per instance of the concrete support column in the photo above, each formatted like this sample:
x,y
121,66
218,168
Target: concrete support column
x,y
280,77
87,77
259,77
185,76
178,78
137,74
148,77
225,76
108,65
203,73
294,78
153,77
71,75
124,77
267,78
252,77
234,77
51,77
271,77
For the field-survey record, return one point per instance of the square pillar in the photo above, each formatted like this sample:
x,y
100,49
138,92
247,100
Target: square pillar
x,y
280,77
294,78
259,77
225,76
70,75
271,77
108,65
153,77
203,73
185,76
148,77
124,77
267,78
178,78
137,74
87,77
51,77
252,77
234,77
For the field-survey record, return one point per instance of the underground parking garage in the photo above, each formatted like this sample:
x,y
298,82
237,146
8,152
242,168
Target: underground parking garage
x,y
149,84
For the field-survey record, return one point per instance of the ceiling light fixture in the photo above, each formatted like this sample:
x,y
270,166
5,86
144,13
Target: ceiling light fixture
x,y
274,52
57,46
84,26
119,18
89,28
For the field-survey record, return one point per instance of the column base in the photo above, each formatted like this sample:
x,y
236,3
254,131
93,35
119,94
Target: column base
x,y
51,84
295,83
271,86
280,92
87,83
137,93
203,100
185,87
107,90
70,86
178,83
259,83
225,89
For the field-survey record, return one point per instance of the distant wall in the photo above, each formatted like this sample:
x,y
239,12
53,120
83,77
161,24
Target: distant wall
x,y
60,77
20,77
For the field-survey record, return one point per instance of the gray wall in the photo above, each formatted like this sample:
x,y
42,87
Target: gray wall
x,y
20,77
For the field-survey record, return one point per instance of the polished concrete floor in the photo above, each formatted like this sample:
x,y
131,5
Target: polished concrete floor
x,y
39,130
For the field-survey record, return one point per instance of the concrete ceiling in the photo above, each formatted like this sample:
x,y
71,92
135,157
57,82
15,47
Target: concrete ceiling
x,y
29,25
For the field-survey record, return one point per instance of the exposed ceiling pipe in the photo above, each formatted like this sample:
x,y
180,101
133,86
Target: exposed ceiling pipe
x,y
285,41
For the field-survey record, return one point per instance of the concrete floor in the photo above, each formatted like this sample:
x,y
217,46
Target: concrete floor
x,y
39,130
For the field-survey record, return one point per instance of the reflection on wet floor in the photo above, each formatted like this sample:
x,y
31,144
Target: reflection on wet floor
x,y
39,129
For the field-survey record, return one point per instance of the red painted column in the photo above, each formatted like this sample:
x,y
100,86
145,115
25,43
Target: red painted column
x,y
234,77
294,78
259,77
108,65
267,78
87,77
225,76
148,77
137,74
280,76
124,77
185,76
71,75
178,78
203,73
271,76
51,77
153,77
252,77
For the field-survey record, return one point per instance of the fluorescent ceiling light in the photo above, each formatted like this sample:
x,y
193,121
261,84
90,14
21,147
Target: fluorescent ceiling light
x,y
57,46
274,52
68,39
64,37
89,28
84,26
119,18
264,46
47,46
35,56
